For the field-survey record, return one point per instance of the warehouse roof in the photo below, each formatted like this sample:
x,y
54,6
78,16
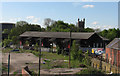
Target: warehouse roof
x,y
115,44
74,35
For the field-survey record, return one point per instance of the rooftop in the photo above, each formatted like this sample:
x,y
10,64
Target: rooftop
x,y
74,35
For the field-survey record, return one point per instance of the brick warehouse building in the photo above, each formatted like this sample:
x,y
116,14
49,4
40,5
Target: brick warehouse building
x,y
113,52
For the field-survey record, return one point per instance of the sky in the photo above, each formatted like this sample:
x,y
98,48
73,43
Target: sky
x,y
98,15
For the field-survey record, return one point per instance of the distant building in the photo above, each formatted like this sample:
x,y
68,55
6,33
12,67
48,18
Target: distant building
x,y
81,24
113,52
8,26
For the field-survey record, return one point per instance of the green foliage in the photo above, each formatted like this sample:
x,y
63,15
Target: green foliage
x,y
80,55
60,26
75,52
86,60
36,46
21,23
90,71
110,33
22,27
26,42
14,40
49,55
4,68
6,42
58,50
89,30
6,31
15,73
36,53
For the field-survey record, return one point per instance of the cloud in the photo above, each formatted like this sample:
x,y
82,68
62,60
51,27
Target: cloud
x,y
35,20
29,17
14,19
88,6
95,23
103,27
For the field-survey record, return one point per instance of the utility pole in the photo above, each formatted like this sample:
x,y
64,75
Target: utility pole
x,y
39,55
70,50
8,63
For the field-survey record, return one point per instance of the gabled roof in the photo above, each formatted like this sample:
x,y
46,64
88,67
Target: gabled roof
x,y
74,35
46,34
81,35
104,38
115,44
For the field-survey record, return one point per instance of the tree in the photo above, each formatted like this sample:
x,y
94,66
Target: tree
x,y
58,50
14,40
6,31
6,42
36,46
74,50
21,23
76,53
89,30
80,55
48,22
110,33
97,30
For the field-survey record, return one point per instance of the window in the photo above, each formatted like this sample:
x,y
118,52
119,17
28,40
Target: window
x,y
101,45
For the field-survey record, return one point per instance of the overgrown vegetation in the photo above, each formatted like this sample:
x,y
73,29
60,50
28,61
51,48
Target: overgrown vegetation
x,y
77,54
91,71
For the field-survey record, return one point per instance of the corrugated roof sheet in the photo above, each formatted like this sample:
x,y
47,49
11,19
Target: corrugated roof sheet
x,y
81,35
114,44
46,34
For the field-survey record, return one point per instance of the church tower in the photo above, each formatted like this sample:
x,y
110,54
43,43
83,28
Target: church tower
x,y
81,24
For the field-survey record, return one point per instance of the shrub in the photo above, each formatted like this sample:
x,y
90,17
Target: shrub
x,y
58,50
74,50
90,70
36,46
86,60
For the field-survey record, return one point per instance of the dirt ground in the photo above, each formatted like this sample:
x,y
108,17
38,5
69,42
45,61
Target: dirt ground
x,y
20,60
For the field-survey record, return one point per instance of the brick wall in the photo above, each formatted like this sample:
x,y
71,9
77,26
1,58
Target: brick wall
x,y
111,54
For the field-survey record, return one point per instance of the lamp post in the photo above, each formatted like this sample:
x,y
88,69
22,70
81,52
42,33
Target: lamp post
x,y
9,61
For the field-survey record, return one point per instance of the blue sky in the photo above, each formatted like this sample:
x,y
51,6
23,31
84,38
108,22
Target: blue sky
x,y
102,15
